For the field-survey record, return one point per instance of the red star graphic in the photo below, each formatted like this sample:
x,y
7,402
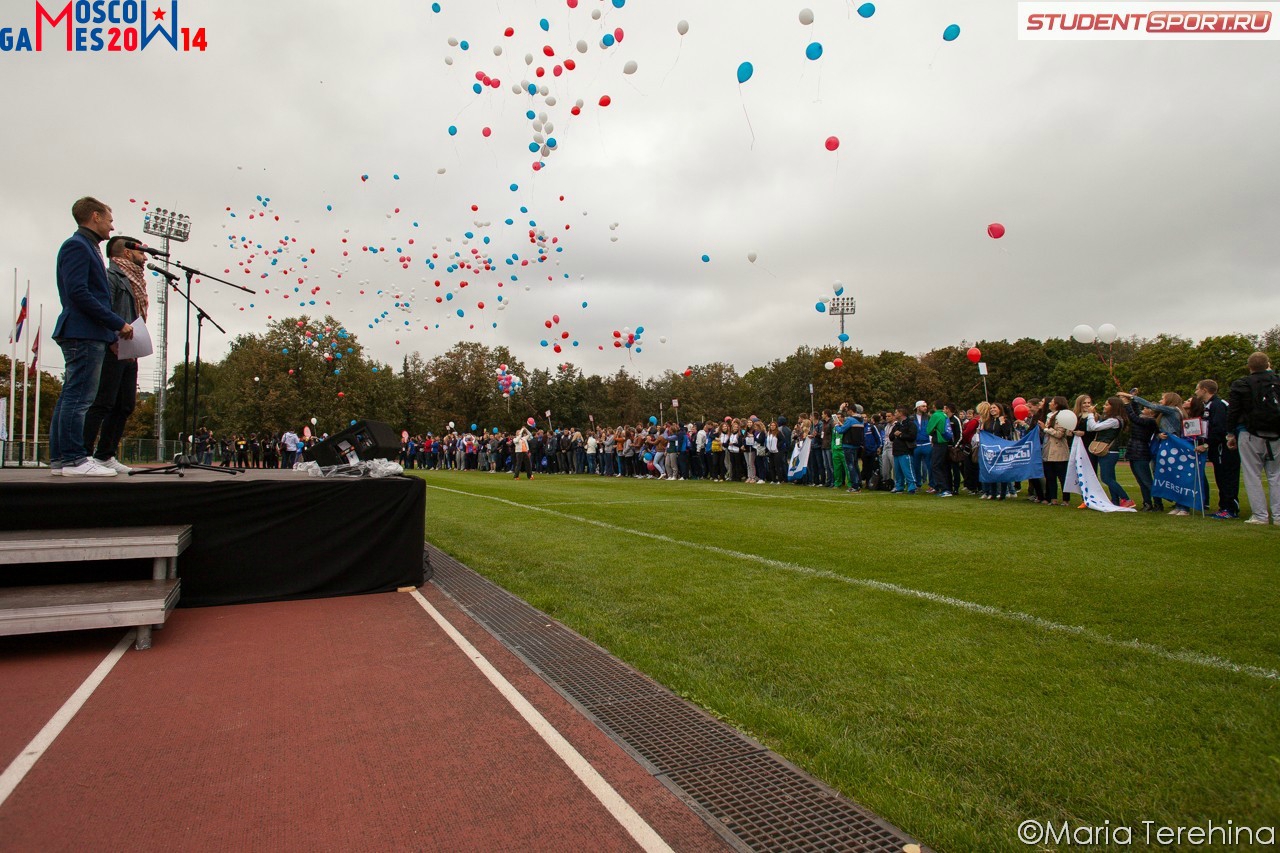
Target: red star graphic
x,y
158,14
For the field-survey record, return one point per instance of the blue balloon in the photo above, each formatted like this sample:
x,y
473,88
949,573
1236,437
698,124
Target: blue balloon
x,y
453,131
515,187
618,4
533,147
844,338
584,305
473,427
608,40
821,307
706,259
545,24
745,70
544,343
814,50
639,331
475,87
435,7
460,312
653,420
495,430
328,207
951,33
551,142
866,10
464,45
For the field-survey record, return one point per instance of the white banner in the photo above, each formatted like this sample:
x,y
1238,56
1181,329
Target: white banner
x,y
4,420
1083,481
1103,20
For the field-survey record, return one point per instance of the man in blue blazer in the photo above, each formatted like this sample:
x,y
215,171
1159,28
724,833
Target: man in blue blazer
x,y
85,328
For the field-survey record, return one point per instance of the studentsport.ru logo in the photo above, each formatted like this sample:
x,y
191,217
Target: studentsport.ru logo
x,y
1148,21
90,26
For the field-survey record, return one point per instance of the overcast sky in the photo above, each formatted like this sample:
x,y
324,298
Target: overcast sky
x,y
1137,181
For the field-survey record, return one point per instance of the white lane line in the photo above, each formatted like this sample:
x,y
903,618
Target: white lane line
x,y
18,768
1180,656
621,810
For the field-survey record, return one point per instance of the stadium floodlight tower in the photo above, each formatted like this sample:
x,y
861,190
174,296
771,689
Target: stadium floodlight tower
x,y
842,306
167,225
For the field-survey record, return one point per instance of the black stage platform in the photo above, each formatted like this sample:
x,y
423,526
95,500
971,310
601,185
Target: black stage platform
x,y
258,536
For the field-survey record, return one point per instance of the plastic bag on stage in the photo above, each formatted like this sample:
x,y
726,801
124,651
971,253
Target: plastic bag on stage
x,y
368,468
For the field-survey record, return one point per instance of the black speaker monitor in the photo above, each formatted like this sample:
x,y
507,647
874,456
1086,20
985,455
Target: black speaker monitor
x,y
360,442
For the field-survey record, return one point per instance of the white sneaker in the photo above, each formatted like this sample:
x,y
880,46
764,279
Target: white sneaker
x,y
57,472
115,465
88,468
1256,520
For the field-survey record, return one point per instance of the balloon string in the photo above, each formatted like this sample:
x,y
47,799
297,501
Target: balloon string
x,y
674,64
748,117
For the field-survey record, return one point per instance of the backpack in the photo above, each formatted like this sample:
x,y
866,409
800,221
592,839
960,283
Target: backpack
x,y
1264,420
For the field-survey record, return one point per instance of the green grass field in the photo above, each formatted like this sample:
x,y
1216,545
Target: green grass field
x,y
958,666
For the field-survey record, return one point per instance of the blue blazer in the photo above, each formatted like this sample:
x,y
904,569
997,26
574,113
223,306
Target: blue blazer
x,y
85,292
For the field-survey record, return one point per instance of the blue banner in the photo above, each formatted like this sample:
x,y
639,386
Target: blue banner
x,y
799,465
1004,461
1179,472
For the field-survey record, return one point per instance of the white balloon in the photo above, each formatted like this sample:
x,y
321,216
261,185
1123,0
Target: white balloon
x,y
497,50
806,16
1084,334
528,59
448,60
582,46
630,67
830,365
1066,419
1108,333
595,14
515,89
662,340
682,28
551,102
313,421
751,256
453,42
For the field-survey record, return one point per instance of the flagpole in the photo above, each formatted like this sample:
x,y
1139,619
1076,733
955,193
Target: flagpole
x,y
26,363
39,330
13,366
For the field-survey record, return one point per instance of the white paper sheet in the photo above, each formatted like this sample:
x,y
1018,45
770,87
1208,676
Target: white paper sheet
x,y
139,346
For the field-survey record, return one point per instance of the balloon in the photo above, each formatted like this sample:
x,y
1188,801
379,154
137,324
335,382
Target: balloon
x,y
866,10
838,362
745,70
995,230
450,424
751,257
1108,333
313,421
630,67
688,373
951,33
820,307
837,287
844,337
830,365
1084,334
531,422
806,16
814,50
662,340
605,100
495,430
1019,401
682,28
1021,412
833,142
974,354
653,420
706,259
1066,419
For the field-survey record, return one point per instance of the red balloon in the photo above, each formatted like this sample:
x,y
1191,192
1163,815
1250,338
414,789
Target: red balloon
x,y
555,318
833,142
486,132
547,50
570,64
547,324
688,373
617,34
838,362
1019,401
995,230
1021,412
605,100
975,355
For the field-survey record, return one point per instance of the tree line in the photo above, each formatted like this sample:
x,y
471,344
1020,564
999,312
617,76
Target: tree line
x,y
282,378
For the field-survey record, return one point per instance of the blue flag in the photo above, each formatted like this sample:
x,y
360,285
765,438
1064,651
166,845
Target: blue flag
x,y
1179,472
1003,461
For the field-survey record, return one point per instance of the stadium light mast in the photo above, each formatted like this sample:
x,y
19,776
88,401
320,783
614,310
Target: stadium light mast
x,y
842,306
167,225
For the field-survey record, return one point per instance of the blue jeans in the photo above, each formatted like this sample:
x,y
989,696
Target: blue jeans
x,y
903,478
921,461
79,388
851,463
1141,469
1107,473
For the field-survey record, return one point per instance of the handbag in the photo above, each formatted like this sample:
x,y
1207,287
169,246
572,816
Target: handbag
x,y
1099,447
955,452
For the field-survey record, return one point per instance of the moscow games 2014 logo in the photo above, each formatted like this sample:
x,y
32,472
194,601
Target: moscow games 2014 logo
x,y
92,26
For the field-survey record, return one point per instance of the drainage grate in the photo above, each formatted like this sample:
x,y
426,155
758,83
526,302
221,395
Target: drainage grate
x,y
755,799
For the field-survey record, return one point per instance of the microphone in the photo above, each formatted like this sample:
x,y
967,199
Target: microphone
x,y
164,272
155,253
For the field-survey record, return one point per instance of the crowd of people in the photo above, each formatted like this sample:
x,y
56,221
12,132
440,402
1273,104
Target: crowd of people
x,y
925,449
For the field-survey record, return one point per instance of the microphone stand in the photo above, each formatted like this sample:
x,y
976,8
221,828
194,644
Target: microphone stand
x,y
186,343
182,461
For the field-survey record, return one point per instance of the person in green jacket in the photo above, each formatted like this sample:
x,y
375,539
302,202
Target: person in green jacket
x,y
942,435
840,477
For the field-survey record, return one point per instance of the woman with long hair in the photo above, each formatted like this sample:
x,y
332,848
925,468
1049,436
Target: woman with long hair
x,y
1142,429
1059,429
1168,414
998,423
1104,434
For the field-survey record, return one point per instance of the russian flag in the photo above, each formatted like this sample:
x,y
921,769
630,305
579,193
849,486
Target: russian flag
x,y
35,355
16,335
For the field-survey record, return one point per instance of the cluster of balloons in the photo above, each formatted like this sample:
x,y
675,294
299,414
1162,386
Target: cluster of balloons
x,y
1020,408
508,382
624,337
834,363
1106,334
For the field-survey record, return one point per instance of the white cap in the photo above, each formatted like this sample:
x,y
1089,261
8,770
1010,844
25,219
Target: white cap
x,y
920,403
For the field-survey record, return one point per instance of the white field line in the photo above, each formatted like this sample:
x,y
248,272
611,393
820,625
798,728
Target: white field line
x,y
1181,656
31,753
622,812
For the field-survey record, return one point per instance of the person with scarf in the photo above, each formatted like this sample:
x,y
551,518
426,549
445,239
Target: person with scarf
x,y
117,395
